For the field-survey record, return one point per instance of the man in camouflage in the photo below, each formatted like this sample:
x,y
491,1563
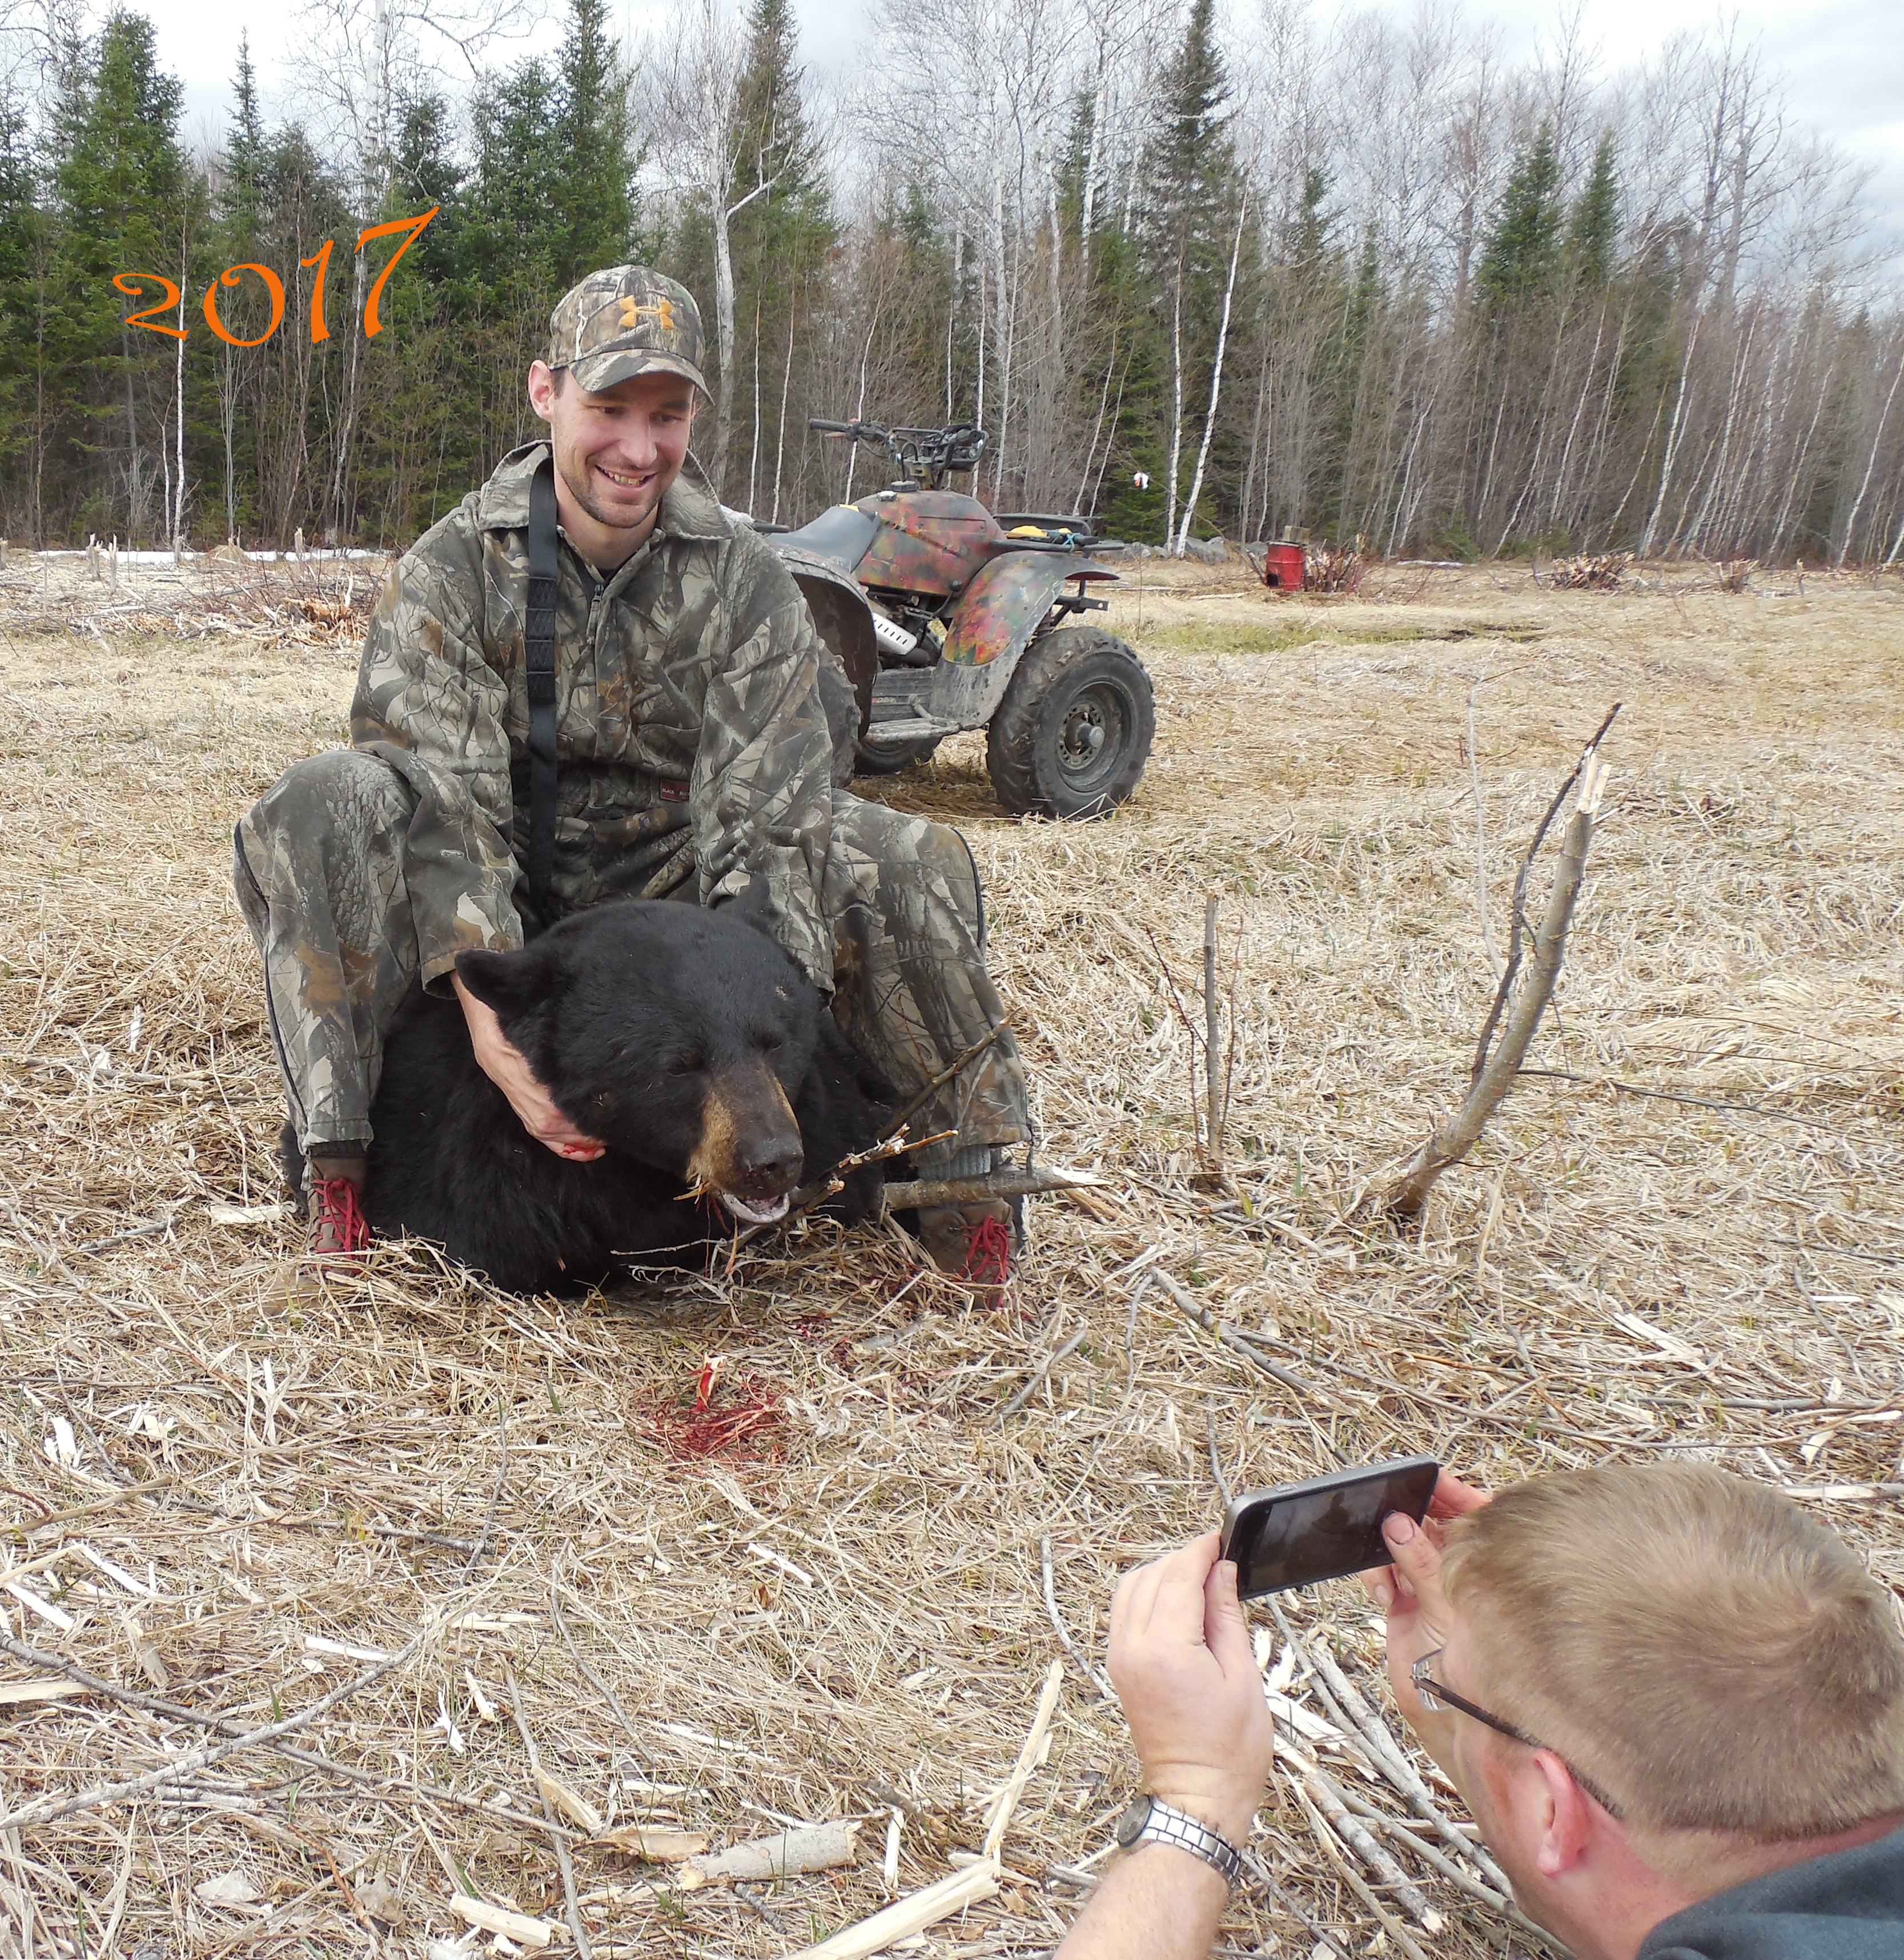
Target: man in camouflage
x,y
704,734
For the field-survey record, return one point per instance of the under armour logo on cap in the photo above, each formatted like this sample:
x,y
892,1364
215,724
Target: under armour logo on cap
x,y
624,321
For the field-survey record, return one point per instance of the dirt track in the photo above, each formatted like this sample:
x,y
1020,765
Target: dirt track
x,y
846,1615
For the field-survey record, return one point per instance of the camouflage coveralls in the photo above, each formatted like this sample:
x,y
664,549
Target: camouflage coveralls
x,y
695,753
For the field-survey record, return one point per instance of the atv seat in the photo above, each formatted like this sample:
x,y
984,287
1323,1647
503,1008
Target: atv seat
x,y
841,533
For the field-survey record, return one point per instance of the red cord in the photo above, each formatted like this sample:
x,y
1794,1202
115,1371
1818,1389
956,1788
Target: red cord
x,y
987,1258
336,1211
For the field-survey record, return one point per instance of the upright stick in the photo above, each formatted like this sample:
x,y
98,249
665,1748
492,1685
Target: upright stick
x,y
1212,1079
1452,1141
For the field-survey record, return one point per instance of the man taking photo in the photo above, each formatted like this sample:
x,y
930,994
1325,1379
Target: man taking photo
x,y
691,743
1672,1703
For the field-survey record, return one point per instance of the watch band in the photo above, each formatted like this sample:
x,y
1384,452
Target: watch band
x,y
1149,1822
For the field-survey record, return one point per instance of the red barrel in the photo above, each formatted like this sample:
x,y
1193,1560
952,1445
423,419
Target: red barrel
x,y
1284,565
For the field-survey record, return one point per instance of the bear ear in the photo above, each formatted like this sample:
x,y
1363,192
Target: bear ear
x,y
511,983
753,906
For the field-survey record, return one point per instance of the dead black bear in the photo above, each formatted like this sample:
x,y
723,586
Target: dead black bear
x,y
687,1040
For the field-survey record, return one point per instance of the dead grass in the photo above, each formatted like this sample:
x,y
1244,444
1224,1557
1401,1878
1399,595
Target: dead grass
x,y
842,1613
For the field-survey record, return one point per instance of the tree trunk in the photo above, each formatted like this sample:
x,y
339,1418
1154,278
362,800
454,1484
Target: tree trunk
x,y
1176,400
1216,380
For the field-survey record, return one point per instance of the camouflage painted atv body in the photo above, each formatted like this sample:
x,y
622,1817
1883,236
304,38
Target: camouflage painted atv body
x,y
947,620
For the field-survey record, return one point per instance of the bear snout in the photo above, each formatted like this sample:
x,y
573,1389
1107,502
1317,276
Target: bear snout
x,y
749,1151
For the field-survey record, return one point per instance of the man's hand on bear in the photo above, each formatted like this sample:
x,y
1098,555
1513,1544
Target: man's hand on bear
x,y
502,1062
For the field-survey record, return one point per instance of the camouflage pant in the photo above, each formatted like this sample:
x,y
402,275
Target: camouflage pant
x,y
319,873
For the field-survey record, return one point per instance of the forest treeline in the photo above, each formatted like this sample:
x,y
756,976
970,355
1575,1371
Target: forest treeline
x,y
1196,274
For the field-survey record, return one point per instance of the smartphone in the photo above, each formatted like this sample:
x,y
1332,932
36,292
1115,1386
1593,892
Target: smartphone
x,y
1299,1534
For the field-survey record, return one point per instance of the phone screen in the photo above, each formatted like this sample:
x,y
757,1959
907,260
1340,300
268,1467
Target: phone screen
x,y
1300,1533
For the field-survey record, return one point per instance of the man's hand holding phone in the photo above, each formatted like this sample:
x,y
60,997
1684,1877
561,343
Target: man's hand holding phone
x,y
1409,1591
1180,1657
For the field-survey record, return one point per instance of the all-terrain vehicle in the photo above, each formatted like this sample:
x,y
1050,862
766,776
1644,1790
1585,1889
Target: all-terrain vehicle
x,y
949,618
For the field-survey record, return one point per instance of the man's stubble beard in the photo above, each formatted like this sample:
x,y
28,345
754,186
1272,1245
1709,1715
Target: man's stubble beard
x,y
579,488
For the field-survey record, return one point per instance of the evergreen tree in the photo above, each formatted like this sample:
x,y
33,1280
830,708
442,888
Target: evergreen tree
x,y
596,130
519,230
1593,227
127,202
1521,259
779,239
242,161
22,240
1310,230
1190,177
1191,192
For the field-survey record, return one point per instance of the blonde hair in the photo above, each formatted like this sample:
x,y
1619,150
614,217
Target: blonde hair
x,y
1692,1643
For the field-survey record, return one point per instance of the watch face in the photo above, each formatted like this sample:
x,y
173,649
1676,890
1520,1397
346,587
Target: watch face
x,y
1130,1826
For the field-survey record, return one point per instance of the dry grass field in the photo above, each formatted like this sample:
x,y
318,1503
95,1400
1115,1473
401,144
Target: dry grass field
x,y
228,1492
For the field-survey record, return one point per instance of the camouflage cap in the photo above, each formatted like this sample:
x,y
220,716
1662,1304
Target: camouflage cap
x,y
624,321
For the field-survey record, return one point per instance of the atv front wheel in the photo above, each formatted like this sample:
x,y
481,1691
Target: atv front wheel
x,y
1072,735
887,758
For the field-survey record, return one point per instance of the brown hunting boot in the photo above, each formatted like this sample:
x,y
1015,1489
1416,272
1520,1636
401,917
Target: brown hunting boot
x,y
972,1242
338,1235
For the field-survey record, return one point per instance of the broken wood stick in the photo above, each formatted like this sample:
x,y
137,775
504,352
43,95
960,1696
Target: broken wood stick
x,y
914,1914
1496,1069
1039,1374
1212,1082
998,1812
817,1191
811,1847
1095,1675
1397,1931
992,1184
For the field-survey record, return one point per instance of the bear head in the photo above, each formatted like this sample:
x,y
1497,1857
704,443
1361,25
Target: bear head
x,y
676,1036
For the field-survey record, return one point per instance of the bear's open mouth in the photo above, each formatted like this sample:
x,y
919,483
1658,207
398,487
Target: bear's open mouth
x,y
768,1212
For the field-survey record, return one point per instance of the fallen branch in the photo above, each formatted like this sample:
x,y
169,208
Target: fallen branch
x,y
1192,1310
556,1838
44,1810
1496,1068
1326,1838
811,1847
1324,1791
1097,1678
818,1190
1387,1754
1038,1375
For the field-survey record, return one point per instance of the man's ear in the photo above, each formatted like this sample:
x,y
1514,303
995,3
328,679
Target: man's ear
x,y
1567,1815
511,983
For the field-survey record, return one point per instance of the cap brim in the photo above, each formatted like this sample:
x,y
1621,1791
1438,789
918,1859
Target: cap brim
x,y
598,372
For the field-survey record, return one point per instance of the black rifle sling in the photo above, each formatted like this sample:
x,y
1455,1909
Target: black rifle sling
x,y
539,659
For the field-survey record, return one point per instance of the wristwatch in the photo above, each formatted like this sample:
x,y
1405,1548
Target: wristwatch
x,y
1147,1822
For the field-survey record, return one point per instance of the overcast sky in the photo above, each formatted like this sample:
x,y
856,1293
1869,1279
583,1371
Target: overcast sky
x,y
1843,59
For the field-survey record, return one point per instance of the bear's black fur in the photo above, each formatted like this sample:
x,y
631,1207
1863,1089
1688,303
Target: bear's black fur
x,y
688,1041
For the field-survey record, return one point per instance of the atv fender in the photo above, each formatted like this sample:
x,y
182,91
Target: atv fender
x,y
1001,608
841,616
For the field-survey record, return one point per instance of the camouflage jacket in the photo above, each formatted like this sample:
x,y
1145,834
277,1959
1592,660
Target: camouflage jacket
x,y
693,703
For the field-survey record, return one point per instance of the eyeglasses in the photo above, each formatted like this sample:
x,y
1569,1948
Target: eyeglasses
x,y
1437,1699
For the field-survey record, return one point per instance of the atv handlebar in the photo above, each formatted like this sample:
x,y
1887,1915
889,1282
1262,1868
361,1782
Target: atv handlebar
x,y
927,455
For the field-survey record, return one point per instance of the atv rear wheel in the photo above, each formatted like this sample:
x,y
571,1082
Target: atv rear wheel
x,y
1072,735
887,758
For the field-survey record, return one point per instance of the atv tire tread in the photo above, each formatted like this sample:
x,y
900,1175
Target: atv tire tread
x,y
1021,744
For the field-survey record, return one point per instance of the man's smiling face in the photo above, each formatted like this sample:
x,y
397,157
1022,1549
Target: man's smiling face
x,y
616,453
